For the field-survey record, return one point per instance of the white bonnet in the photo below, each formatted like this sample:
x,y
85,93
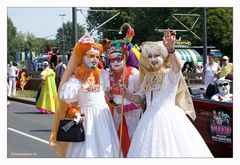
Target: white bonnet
x,y
153,48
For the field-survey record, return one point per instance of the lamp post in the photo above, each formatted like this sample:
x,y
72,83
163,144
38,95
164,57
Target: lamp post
x,y
63,46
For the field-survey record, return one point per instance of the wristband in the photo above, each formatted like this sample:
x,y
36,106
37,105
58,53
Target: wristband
x,y
171,50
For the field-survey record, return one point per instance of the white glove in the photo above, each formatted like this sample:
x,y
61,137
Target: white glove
x,y
78,118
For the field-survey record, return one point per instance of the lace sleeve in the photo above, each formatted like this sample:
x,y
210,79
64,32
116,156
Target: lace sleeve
x,y
133,81
173,77
69,90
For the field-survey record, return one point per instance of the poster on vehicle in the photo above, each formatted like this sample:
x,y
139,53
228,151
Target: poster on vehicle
x,y
221,126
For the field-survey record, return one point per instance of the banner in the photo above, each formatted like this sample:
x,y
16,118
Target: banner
x,y
23,56
33,54
17,56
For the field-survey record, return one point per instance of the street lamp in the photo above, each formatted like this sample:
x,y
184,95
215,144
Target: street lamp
x,y
63,46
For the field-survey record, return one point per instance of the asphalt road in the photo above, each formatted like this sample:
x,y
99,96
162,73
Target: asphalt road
x,y
28,132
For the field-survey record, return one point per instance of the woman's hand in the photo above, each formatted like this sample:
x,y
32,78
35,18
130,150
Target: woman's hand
x,y
123,90
78,117
169,39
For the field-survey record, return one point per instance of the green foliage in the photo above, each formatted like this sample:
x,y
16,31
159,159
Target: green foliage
x,y
67,27
23,42
146,20
220,29
26,93
11,34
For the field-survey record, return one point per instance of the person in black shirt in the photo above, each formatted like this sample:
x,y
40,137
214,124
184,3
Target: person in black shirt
x,y
54,59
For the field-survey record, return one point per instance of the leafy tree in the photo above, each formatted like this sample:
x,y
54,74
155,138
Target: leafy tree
x,y
220,29
146,20
11,33
67,28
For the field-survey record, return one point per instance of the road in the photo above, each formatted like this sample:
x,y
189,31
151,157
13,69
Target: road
x,y
28,132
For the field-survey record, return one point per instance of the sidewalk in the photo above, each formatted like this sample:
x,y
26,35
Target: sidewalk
x,y
25,100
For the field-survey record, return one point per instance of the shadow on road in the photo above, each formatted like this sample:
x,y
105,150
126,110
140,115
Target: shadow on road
x,y
40,130
27,113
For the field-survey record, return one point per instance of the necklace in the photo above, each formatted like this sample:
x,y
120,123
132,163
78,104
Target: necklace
x,y
89,85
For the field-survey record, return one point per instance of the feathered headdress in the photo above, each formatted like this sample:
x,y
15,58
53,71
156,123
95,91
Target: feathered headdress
x,y
125,44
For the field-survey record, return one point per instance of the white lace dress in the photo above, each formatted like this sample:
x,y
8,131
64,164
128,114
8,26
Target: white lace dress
x,y
164,130
101,139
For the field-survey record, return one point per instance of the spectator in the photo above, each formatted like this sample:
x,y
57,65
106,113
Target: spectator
x,y
227,68
54,59
224,94
12,75
106,44
199,70
210,70
60,68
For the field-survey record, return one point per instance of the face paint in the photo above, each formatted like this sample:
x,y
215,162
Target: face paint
x,y
224,88
116,61
91,60
155,60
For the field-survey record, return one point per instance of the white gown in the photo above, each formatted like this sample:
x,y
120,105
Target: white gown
x,y
164,130
101,139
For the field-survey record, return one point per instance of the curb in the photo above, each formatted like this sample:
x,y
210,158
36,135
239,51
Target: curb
x,y
21,100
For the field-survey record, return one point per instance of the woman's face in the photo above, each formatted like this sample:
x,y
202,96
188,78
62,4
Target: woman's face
x,y
155,60
116,61
210,58
92,58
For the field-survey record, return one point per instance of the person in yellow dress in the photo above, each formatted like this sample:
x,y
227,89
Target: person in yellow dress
x,y
47,97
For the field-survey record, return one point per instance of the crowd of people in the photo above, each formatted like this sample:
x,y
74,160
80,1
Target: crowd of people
x,y
133,106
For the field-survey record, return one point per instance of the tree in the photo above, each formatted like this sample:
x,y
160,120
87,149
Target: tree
x,y
11,34
146,20
220,29
67,28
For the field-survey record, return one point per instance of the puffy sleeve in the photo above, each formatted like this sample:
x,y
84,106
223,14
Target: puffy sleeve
x,y
133,82
69,90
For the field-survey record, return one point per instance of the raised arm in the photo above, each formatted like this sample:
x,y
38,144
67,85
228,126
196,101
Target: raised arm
x,y
169,40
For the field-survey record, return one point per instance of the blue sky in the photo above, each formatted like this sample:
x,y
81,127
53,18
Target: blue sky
x,y
41,21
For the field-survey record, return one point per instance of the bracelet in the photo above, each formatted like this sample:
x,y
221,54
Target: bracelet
x,y
171,50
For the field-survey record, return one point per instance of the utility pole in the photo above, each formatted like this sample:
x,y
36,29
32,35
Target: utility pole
x,y
204,24
63,46
74,26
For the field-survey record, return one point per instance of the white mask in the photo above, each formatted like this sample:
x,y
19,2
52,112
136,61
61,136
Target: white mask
x,y
116,61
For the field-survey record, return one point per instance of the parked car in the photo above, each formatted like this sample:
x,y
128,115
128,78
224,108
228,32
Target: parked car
x,y
214,122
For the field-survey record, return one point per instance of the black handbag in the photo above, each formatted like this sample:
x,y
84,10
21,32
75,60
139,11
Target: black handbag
x,y
70,131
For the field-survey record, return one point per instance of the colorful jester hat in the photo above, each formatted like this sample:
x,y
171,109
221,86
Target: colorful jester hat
x,y
132,53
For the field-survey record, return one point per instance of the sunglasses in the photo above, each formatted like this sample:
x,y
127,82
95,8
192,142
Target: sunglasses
x,y
118,59
92,55
224,84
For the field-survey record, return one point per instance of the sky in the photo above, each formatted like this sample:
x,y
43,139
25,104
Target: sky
x,y
42,21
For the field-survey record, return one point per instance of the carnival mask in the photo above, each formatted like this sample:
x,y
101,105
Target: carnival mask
x,y
92,58
116,61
